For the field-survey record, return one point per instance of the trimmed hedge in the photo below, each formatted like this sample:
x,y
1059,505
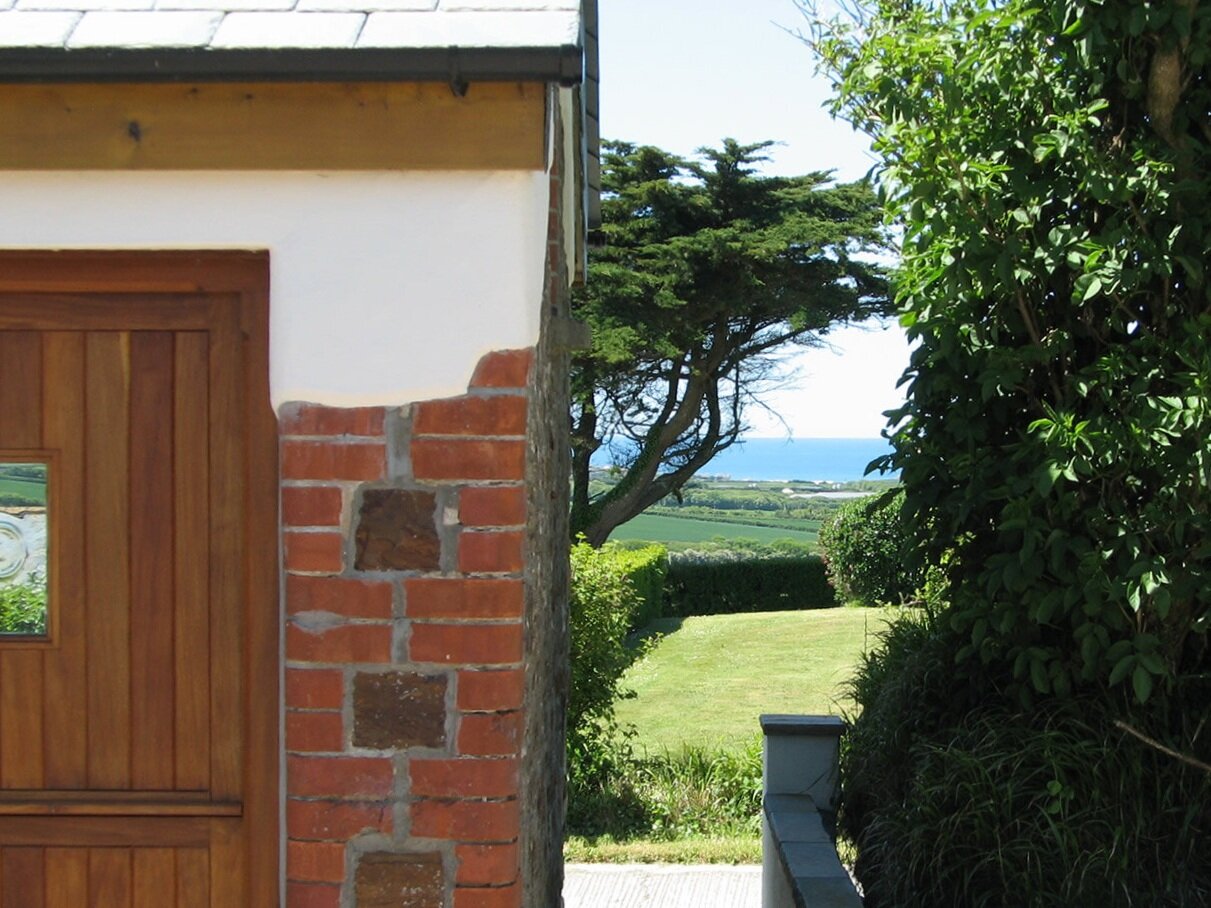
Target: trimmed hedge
x,y
864,551
702,586
646,568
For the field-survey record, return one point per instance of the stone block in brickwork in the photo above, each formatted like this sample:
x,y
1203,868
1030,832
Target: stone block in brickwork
x,y
397,531
393,880
398,710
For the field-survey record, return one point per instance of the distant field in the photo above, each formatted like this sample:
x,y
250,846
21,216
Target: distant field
x,y
659,528
709,678
33,491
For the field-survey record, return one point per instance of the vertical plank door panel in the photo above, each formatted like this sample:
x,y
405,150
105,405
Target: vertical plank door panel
x,y
152,685
107,522
193,878
21,747
66,878
154,878
66,715
192,560
109,877
227,589
24,881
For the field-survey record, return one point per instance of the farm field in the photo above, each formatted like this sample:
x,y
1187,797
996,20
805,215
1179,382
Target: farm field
x,y
709,678
662,528
25,489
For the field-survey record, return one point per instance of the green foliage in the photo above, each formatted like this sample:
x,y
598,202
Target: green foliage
x,y
730,581
23,607
1051,164
706,271
952,803
864,551
646,569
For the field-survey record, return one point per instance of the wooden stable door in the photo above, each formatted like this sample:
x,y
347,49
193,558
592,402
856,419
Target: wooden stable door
x,y
138,733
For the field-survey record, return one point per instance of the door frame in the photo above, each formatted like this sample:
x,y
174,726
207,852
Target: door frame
x,y
243,276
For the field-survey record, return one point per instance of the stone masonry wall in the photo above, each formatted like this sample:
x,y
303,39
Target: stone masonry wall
x,y
404,547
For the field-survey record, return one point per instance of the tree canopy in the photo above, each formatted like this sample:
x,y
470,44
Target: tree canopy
x,y
708,269
1051,164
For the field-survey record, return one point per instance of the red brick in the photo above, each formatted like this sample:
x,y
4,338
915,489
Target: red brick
x,y
315,862
314,731
464,778
339,595
339,777
335,820
490,734
492,506
311,506
503,369
344,643
491,690
504,897
314,688
311,420
486,865
447,597
317,553
312,895
491,553
499,415
329,460
466,644
466,821
434,458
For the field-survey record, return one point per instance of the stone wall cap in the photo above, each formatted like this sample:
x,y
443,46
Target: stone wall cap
x,y
811,726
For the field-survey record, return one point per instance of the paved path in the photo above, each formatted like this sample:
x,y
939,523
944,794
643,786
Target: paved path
x,y
661,886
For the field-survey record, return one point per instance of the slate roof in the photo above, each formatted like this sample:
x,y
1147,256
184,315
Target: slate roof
x,y
288,24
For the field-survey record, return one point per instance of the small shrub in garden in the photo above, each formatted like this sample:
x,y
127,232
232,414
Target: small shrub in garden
x,y
23,607
864,551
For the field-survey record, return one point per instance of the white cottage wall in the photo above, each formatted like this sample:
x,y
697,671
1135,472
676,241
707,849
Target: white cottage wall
x,y
385,287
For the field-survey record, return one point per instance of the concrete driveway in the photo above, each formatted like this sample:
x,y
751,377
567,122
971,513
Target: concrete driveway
x,y
661,886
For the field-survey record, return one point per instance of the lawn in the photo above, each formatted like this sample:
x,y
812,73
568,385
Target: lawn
x,y
660,528
708,678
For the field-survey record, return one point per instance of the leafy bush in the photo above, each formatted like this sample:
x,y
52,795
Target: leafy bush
x,y
957,798
603,607
864,551
23,607
696,791
725,582
646,568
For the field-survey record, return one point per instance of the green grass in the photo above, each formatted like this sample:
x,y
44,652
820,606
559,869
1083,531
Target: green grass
x,y
660,528
714,850
709,678
29,490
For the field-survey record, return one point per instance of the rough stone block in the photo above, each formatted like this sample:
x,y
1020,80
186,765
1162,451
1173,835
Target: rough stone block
x,y
398,710
396,531
392,880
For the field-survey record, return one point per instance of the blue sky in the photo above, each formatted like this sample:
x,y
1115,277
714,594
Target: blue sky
x,y
681,74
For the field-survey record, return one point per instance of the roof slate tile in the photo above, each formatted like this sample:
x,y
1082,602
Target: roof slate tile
x,y
291,29
471,29
368,6
84,6
145,29
21,29
227,5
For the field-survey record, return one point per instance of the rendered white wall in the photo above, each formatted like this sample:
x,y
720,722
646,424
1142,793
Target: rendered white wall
x,y
385,287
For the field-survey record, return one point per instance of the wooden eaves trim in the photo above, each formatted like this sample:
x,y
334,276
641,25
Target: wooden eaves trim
x,y
272,126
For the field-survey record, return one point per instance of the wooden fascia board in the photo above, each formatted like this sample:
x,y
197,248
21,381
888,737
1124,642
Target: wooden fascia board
x,y
272,126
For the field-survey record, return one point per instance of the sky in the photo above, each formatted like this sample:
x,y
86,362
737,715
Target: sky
x,y
681,74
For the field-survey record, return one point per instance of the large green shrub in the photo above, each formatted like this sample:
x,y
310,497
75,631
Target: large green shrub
x,y
716,583
864,552
23,607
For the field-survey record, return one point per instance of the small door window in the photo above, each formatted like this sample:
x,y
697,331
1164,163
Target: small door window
x,y
25,552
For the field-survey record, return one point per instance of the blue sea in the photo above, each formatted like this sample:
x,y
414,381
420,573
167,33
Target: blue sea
x,y
803,459
828,459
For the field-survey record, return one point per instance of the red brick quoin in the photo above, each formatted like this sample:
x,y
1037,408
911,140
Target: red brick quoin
x,y
402,540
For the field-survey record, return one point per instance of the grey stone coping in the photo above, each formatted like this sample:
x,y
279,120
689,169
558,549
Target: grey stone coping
x,y
812,726
807,854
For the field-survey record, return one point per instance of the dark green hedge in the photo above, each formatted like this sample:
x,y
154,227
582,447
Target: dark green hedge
x,y
646,569
717,587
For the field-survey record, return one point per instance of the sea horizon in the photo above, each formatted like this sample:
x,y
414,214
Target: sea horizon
x,y
799,459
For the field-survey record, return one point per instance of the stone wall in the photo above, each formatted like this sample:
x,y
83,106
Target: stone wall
x,y
404,534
